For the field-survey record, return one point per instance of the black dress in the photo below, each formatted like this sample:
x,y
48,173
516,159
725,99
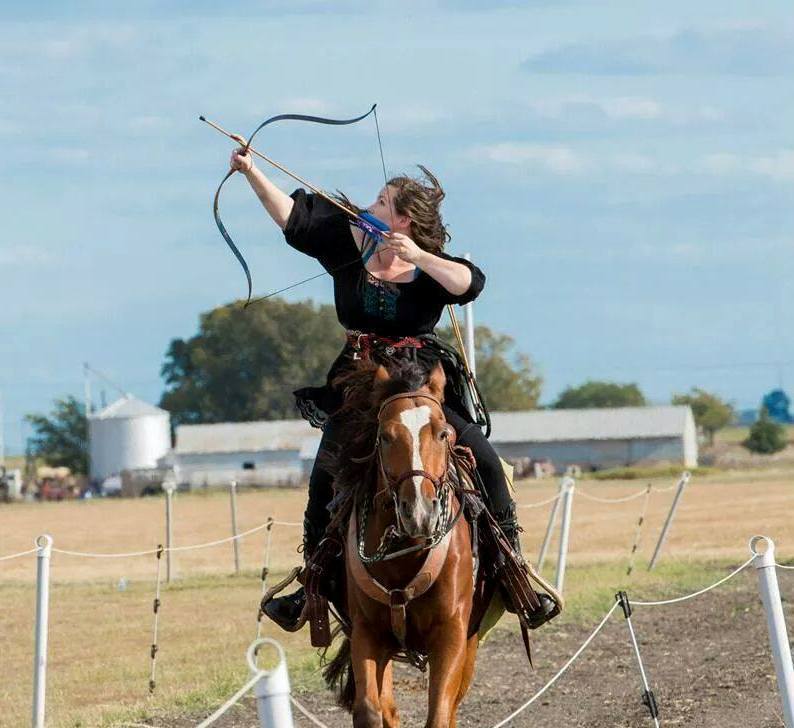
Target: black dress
x,y
365,304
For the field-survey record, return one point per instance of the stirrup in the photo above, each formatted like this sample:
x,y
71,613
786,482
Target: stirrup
x,y
270,594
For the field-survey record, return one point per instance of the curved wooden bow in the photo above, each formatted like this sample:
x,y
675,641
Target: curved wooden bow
x,y
247,147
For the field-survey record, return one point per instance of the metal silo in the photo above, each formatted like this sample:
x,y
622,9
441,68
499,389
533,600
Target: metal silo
x,y
127,434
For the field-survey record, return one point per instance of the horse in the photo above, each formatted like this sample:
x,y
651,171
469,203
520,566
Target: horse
x,y
416,602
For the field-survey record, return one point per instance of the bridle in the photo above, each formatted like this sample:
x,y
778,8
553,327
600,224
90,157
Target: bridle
x,y
441,485
394,482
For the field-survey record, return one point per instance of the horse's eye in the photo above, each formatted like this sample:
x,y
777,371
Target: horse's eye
x,y
386,438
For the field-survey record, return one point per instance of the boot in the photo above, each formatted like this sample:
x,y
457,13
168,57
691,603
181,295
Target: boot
x,y
548,607
286,611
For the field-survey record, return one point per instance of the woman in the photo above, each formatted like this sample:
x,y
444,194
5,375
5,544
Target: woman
x,y
389,296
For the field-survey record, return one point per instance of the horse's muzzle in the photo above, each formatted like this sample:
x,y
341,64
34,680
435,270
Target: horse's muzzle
x,y
419,516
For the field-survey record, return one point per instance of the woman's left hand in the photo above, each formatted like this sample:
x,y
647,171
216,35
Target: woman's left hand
x,y
402,246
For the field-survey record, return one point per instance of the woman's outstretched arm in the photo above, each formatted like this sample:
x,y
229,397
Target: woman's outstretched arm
x,y
277,203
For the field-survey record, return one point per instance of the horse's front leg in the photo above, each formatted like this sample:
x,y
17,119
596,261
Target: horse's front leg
x,y
388,706
369,660
447,662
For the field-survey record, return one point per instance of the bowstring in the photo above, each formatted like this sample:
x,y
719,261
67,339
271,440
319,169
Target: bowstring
x,y
374,243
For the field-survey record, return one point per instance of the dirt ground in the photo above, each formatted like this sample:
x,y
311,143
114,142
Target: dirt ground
x,y
708,662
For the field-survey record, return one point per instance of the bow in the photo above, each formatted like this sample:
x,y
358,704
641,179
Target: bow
x,y
366,222
369,224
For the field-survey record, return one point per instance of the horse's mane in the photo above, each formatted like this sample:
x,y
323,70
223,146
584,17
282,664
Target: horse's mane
x,y
352,460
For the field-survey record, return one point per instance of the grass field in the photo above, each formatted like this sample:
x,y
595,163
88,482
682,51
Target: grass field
x,y
100,636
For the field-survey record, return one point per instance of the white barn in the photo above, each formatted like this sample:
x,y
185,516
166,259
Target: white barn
x,y
282,452
596,439
272,452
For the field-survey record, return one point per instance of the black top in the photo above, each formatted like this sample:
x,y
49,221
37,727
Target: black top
x,y
363,302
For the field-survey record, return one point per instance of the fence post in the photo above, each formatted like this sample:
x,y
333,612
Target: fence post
x,y
565,528
669,520
272,690
550,528
169,530
44,544
776,623
236,541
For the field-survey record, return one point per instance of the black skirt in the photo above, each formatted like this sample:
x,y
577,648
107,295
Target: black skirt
x,y
317,404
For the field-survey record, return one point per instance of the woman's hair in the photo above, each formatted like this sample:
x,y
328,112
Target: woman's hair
x,y
419,199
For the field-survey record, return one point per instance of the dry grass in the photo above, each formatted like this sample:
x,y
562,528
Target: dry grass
x,y
99,636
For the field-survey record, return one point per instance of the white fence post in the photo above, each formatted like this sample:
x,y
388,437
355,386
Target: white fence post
x,y
550,528
776,623
236,542
169,530
565,528
669,520
44,544
272,690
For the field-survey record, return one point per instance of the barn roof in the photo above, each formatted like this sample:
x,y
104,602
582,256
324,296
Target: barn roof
x,y
244,436
590,424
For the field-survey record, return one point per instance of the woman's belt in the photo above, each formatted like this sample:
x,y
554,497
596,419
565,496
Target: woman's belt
x,y
363,344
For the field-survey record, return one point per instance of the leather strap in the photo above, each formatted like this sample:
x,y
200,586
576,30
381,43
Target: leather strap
x,y
397,600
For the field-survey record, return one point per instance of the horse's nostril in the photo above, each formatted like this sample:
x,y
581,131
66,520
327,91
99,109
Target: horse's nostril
x,y
435,504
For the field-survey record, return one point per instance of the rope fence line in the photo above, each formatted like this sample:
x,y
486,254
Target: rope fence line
x,y
539,504
159,549
686,597
597,499
16,556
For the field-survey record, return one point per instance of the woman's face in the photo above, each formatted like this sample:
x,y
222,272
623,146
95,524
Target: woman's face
x,y
383,209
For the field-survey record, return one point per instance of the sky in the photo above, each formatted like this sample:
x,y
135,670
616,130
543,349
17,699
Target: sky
x,y
622,171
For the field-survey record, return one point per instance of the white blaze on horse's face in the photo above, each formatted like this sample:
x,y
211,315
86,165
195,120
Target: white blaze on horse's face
x,y
419,514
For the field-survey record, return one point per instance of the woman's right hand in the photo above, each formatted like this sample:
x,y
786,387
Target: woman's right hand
x,y
241,161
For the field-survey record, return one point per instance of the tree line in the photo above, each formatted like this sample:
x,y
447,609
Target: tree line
x,y
243,365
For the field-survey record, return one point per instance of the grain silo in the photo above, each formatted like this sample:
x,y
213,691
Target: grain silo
x,y
127,434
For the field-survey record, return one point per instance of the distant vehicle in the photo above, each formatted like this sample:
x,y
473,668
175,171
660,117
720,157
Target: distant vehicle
x,y
111,486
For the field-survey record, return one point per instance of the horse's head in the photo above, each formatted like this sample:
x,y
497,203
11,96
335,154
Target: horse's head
x,y
414,443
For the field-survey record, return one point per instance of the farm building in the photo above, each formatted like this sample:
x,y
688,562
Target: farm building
x,y
595,439
282,452
274,452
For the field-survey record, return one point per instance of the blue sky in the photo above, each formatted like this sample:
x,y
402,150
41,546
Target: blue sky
x,y
622,171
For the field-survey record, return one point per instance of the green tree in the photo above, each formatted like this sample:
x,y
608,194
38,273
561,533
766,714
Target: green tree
x,y
766,436
62,438
245,363
600,394
506,378
710,412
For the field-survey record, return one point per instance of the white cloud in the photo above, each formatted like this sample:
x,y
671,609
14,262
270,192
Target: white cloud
x,y
778,165
623,108
559,160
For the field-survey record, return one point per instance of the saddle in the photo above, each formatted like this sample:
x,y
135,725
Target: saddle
x,y
501,578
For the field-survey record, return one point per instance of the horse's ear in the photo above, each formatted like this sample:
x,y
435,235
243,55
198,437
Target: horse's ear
x,y
437,381
381,375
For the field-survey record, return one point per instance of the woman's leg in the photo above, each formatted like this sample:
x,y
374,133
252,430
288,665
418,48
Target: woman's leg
x,y
489,467
499,501
286,610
